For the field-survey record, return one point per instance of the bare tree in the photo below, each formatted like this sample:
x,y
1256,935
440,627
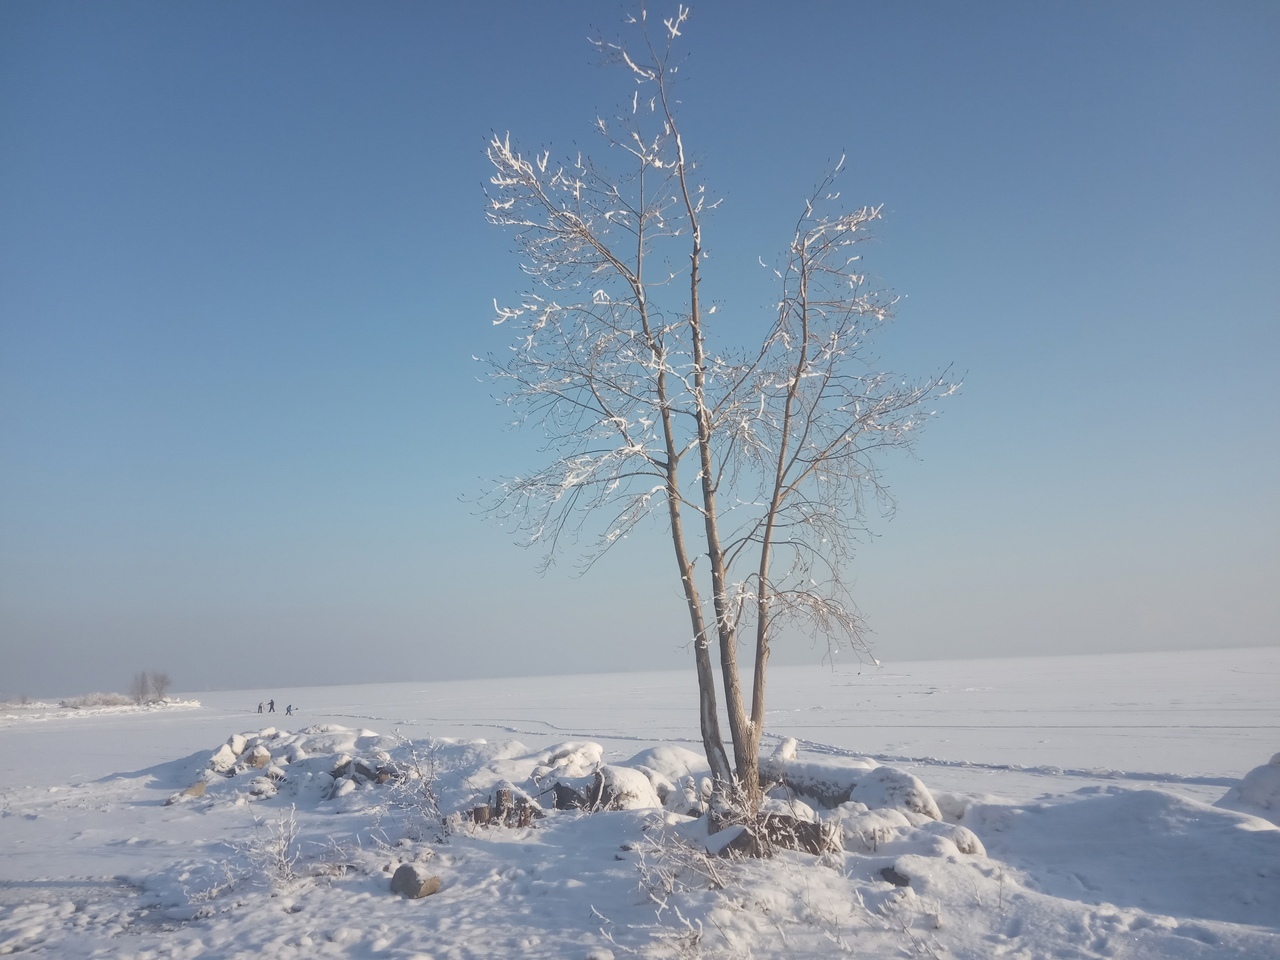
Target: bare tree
x,y
160,684
762,461
140,687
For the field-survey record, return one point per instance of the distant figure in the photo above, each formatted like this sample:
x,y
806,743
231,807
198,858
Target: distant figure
x,y
271,706
288,711
259,706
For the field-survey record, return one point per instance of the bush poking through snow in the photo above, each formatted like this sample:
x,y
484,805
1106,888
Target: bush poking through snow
x,y
670,862
414,792
276,850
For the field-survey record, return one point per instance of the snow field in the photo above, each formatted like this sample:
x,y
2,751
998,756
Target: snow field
x,y
287,847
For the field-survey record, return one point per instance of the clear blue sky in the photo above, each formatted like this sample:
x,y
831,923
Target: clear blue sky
x,y
243,269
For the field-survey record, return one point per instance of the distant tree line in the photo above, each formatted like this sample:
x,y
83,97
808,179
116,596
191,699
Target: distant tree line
x,y
149,686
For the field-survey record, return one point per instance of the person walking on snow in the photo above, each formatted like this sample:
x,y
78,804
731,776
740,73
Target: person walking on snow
x,y
271,706
288,711
259,706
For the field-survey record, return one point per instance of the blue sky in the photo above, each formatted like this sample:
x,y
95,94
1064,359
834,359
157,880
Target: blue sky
x,y
244,267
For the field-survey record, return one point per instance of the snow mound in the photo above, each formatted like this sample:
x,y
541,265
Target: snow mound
x,y
828,780
897,790
567,760
680,777
89,705
1257,793
1141,849
624,788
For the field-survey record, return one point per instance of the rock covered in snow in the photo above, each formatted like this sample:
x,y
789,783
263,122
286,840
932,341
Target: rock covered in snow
x,y
866,831
223,759
827,780
568,760
897,790
414,882
1257,793
789,807
623,788
258,757
197,789
677,775
955,838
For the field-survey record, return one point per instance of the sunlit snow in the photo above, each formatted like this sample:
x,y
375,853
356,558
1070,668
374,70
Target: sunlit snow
x,y
1072,807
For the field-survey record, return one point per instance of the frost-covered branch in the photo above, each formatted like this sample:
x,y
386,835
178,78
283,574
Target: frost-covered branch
x,y
649,408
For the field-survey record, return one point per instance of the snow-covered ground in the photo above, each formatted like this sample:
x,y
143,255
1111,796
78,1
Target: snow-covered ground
x,y
1032,808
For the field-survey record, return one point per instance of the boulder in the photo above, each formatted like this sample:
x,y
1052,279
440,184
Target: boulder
x,y
567,798
1257,793
197,789
828,780
237,743
622,788
341,788
414,882
780,831
223,759
259,757
893,876
897,790
792,833
964,839
341,766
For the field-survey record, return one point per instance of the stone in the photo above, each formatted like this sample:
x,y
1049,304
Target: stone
x,y
223,759
259,757
792,833
341,788
897,790
828,780
622,788
414,882
962,838
896,878
567,798
774,831
197,789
